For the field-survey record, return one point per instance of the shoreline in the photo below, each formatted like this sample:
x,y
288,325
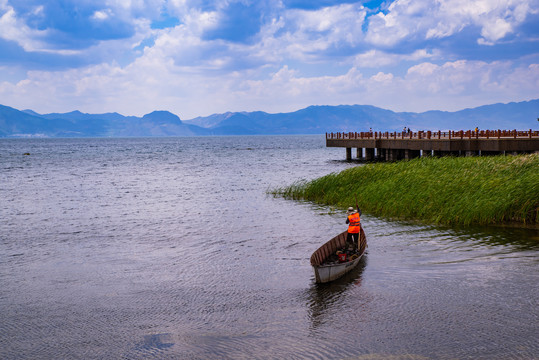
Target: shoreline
x,y
494,190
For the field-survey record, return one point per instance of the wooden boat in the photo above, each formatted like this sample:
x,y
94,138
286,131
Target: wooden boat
x,y
326,271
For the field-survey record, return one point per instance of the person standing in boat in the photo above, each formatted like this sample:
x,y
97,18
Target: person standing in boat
x,y
354,226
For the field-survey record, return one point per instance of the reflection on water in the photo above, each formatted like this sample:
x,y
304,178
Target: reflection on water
x,y
154,344
517,239
328,295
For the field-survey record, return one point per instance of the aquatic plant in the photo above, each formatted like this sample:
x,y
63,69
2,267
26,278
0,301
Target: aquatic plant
x,y
447,190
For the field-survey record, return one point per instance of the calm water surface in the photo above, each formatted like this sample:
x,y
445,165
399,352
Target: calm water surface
x,y
171,249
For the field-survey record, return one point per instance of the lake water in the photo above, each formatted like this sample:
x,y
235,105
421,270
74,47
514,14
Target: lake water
x,y
171,249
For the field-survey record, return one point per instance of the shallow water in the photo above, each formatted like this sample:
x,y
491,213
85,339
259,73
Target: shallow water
x,y
171,248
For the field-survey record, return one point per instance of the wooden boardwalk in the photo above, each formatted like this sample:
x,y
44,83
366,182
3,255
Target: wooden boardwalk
x,y
391,146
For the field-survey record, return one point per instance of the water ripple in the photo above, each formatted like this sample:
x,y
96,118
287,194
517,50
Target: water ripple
x,y
171,249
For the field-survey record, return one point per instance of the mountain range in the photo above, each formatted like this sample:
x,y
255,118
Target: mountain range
x,y
311,120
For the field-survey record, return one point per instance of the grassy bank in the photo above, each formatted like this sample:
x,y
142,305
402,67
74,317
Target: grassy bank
x,y
448,190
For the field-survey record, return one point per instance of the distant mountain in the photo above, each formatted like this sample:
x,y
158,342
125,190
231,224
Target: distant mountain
x,y
521,115
15,123
321,119
311,120
27,123
157,123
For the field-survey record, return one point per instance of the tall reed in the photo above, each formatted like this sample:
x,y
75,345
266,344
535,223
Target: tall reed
x,y
448,190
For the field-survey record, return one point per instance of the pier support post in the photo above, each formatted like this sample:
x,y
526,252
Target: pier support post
x,y
382,154
392,155
348,154
369,154
359,153
401,154
411,154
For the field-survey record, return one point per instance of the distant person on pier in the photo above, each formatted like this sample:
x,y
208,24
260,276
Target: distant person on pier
x,y
354,226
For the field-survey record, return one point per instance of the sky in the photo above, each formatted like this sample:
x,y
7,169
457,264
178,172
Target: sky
x,y
201,57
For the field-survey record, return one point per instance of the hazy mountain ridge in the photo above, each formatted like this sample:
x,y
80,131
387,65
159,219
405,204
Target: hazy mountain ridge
x,y
311,120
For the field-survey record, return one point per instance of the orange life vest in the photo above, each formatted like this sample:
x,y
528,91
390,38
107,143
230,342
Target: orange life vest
x,y
354,223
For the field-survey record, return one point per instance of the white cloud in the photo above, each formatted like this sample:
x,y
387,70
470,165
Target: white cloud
x,y
402,20
309,31
102,14
14,29
496,18
377,58
135,8
495,31
442,18
155,82
381,77
38,11
424,69
461,82
184,46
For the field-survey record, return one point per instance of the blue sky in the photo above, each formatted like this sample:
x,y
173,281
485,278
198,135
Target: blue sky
x,y
199,57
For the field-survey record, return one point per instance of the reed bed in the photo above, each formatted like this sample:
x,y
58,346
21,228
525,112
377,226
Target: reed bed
x,y
448,190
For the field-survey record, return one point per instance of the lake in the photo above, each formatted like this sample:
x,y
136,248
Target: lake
x,y
171,248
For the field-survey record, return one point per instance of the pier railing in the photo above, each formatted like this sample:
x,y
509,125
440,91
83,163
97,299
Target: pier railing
x,y
428,135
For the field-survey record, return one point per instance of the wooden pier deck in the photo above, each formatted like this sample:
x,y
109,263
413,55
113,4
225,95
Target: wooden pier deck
x,y
391,146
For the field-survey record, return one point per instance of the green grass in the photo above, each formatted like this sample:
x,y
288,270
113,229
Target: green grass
x,y
448,190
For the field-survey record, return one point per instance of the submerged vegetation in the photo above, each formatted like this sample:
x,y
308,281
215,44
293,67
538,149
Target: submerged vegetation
x,y
448,190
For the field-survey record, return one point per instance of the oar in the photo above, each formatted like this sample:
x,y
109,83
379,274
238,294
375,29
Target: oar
x,y
359,234
360,227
